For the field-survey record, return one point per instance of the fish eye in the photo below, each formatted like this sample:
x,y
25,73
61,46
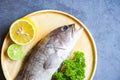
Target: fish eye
x,y
64,28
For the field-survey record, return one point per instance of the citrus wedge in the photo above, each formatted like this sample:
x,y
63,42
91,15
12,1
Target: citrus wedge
x,y
15,52
23,31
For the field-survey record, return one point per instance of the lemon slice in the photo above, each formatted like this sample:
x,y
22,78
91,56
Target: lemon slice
x,y
23,31
15,52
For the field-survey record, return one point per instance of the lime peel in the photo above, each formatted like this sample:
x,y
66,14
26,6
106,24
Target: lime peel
x,y
15,52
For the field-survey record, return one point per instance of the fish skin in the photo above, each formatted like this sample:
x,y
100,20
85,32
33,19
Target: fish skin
x,y
49,53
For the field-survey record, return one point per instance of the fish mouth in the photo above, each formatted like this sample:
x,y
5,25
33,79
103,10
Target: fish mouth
x,y
74,29
72,26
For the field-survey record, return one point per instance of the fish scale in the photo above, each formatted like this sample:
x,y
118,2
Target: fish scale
x,y
49,53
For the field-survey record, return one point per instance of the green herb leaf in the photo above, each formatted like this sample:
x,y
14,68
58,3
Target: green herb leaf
x,y
72,69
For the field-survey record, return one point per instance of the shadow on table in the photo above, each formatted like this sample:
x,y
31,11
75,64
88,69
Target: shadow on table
x,y
2,36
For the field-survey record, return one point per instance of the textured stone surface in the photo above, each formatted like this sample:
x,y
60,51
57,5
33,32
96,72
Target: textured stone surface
x,y
102,17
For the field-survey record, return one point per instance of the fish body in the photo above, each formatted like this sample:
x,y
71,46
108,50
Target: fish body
x,y
49,53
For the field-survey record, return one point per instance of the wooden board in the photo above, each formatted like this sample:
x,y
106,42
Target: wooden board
x,y
46,21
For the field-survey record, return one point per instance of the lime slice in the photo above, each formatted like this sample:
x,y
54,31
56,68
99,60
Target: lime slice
x,y
15,52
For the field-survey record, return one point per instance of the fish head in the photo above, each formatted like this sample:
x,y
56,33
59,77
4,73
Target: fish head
x,y
67,33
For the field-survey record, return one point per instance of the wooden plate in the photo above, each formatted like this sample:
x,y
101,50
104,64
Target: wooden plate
x,y
46,21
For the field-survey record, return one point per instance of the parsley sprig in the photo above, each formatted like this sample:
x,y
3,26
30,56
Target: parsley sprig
x,y
72,69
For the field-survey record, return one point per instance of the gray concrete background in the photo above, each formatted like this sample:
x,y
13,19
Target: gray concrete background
x,y
102,18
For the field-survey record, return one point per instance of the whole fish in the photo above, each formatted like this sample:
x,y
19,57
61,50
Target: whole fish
x,y
50,52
